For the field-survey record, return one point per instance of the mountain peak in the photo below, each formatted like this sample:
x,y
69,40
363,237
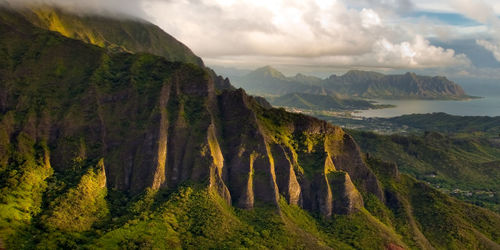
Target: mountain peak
x,y
267,72
305,79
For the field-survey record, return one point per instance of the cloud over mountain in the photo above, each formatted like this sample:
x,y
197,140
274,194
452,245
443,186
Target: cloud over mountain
x,y
320,33
310,33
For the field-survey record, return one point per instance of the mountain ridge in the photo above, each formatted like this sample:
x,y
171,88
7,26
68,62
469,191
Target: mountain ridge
x,y
116,35
167,160
354,83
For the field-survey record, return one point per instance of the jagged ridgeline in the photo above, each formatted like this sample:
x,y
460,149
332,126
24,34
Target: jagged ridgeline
x,y
354,83
100,148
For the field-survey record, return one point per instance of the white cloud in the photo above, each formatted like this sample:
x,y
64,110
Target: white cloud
x,y
319,33
300,31
416,54
369,18
494,48
480,10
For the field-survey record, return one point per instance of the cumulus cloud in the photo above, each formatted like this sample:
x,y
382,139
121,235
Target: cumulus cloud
x,y
319,33
313,32
418,53
414,54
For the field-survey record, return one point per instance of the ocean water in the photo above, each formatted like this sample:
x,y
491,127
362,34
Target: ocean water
x,y
487,106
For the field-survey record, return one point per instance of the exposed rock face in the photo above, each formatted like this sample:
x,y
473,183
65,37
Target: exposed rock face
x,y
157,124
346,199
285,175
250,169
348,159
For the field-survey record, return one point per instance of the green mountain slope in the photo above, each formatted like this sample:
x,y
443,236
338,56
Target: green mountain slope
x,y
116,34
112,33
466,167
426,216
100,149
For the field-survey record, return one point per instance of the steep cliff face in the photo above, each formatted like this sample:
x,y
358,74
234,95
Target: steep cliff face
x,y
157,124
307,153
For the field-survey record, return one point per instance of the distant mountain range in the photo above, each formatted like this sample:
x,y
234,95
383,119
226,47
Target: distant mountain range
x,y
355,83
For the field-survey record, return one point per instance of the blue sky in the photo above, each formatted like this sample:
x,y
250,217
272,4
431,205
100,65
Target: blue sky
x,y
447,18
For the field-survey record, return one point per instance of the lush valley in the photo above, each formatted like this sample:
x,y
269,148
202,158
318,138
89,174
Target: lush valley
x,y
463,166
113,149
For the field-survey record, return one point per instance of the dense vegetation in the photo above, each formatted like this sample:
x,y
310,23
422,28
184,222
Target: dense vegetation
x,y
451,124
121,35
84,163
466,167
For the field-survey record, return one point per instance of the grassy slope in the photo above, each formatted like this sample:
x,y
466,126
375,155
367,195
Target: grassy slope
x,y
194,218
424,215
